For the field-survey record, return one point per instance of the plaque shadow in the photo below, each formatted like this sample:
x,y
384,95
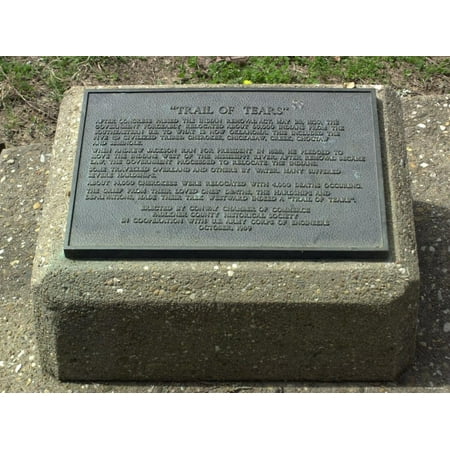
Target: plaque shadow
x,y
230,255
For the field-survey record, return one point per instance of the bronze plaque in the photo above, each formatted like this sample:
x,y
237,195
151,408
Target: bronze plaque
x,y
228,171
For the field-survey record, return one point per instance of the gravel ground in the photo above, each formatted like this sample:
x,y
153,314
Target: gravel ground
x,y
23,174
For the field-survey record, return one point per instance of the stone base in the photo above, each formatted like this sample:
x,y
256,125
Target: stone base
x,y
227,320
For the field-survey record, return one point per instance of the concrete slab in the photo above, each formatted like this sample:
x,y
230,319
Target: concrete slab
x,y
226,320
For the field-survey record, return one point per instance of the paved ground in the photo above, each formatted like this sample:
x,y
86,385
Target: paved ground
x,y
23,174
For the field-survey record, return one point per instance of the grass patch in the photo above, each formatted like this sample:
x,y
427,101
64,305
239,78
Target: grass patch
x,y
318,69
24,78
19,74
60,73
32,87
37,84
258,70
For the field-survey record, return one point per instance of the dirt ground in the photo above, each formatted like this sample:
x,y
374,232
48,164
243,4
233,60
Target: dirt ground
x,y
24,165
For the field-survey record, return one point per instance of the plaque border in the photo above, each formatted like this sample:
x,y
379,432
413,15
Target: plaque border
x,y
272,253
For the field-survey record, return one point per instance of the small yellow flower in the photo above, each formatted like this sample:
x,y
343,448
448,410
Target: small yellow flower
x,y
247,82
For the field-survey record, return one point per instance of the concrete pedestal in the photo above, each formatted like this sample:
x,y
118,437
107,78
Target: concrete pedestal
x,y
226,320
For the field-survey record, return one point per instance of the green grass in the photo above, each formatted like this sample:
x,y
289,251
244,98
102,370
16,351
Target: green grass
x,y
32,87
319,69
23,78
58,73
265,69
37,84
19,73
54,74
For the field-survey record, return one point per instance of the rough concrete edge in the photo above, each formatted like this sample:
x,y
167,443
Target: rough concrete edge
x,y
403,206
406,256
69,114
43,314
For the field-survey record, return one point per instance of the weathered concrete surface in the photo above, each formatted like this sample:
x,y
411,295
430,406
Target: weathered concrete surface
x,y
226,320
22,185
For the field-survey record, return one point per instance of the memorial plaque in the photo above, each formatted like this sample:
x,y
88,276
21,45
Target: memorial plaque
x,y
161,172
